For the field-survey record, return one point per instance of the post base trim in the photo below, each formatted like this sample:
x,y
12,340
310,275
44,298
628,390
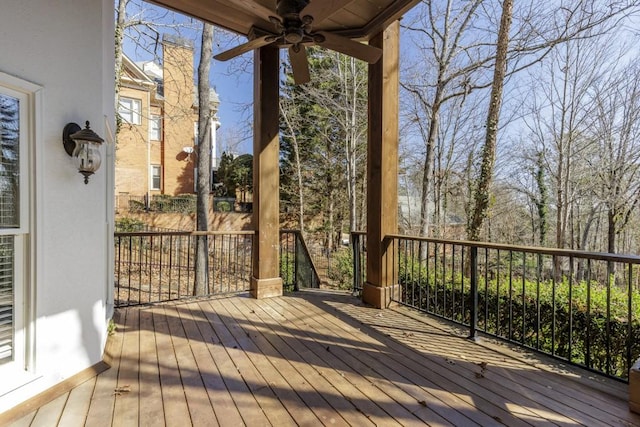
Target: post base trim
x,y
380,296
266,288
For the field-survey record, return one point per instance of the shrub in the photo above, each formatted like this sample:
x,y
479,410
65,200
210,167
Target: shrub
x,y
287,272
565,318
342,272
126,224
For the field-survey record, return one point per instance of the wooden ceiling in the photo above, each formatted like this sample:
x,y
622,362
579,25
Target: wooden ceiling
x,y
359,19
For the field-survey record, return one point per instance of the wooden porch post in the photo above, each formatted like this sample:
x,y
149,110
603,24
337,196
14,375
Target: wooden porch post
x,y
266,281
382,168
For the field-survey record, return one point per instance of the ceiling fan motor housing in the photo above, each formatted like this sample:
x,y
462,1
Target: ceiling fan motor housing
x,y
289,10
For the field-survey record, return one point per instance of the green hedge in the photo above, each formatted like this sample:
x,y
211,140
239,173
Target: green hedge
x,y
539,311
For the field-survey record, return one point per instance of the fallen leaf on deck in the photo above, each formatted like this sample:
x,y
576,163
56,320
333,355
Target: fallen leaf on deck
x,y
123,389
422,402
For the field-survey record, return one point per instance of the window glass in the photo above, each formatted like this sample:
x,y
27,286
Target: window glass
x,y
129,110
15,122
155,177
9,162
155,125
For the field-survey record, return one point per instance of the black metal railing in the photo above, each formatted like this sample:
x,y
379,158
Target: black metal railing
x,y
296,266
580,307
359,254
155,267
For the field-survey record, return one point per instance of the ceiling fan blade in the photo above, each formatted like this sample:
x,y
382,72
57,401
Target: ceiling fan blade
x,y
245,47
320,10
299,65
349,47
258,9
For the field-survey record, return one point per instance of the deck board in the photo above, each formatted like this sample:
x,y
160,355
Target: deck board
x,y
173,398
225,353
127,391
100,411
150,394
449,377
221,400
550,397
420,392
375,388
233,337
321,358
279,376
325,395
197,398
51,413
77,405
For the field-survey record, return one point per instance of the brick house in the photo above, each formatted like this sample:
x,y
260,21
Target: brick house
x,y
158,110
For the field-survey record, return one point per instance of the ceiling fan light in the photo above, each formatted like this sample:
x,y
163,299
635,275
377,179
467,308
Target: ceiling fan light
x,y
293,35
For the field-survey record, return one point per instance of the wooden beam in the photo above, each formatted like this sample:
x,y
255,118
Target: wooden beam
x,y
382,168
266,281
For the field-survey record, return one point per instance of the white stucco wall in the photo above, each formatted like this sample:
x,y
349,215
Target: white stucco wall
x,y
66,48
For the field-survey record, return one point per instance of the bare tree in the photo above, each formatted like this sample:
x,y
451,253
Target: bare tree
x,y
203,183
324,128
441,37
560,113
616,163
483,183
452,38
288,117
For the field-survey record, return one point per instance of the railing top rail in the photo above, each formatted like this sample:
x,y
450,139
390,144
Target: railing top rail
x,y
289,231
182,233
602,256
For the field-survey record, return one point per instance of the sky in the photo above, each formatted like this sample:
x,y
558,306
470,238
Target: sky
x,y
232,80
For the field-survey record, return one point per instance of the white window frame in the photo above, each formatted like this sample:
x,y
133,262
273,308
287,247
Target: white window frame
x,y
151,170
15,372
130,110
155,127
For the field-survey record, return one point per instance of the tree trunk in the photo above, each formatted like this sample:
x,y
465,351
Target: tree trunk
x,y
481,199
351,91
428,167
119,36
284,113
204,160
542,204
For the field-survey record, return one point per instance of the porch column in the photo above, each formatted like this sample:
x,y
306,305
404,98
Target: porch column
x,y
266,281
382,168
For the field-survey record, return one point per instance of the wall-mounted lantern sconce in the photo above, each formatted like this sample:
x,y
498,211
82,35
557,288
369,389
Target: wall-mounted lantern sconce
x,y
84,146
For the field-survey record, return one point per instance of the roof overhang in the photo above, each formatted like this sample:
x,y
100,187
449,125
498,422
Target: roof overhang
x,y
360,19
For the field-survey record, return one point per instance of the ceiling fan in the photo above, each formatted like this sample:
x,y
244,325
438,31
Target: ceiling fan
x,y
294,20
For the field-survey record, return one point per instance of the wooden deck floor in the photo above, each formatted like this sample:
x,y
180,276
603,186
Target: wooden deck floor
x,y
317,358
